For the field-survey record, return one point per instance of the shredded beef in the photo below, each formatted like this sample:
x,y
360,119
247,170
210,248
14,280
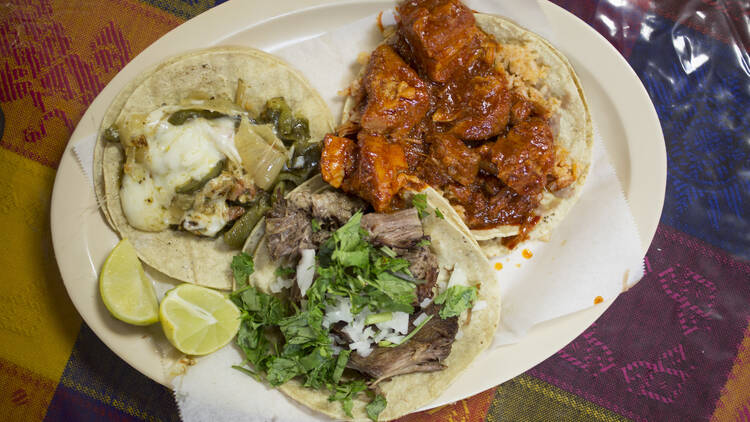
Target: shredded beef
x,y
424,266
335,206
400,229
288,230
424,352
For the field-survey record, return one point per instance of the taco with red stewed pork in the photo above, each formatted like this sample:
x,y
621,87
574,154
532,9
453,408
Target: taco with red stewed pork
x,y
488,113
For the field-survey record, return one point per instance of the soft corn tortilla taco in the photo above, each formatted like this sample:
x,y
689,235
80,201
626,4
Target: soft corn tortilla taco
x,y
234,82
575,134
454,252
532,70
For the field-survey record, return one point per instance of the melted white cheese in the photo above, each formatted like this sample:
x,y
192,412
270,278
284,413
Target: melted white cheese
x,y
206,223
175,155
141,205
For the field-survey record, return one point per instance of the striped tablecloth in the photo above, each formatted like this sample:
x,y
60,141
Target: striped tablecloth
x,y
675,347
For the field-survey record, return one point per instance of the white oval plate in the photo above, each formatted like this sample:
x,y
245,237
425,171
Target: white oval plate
x,y
623,111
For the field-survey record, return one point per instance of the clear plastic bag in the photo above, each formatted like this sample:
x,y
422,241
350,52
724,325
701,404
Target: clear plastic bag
x,y
674,346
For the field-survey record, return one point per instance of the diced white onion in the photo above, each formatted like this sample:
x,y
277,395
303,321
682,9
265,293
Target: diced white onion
x,y
458,277
339,311
364,338
419,319
399,322
425,303
280,284
481,304
299,162
355,329
368,332
334,346
363,348
306,270
395,339
382,335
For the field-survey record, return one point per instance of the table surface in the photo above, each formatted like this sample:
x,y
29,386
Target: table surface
x,y
675,347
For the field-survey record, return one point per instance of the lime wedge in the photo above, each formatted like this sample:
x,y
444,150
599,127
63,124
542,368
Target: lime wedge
x,y
198,320
126,291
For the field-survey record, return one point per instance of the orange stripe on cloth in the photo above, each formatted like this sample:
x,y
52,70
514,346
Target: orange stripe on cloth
x,y
472,409
24,395
56,56
734,402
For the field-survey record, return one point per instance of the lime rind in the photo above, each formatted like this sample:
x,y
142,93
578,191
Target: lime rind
x,y
198,320
125,289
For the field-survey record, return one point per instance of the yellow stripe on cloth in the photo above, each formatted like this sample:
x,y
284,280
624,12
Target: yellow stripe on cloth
x,y
183,9
24,395
38,323
526,398
734,402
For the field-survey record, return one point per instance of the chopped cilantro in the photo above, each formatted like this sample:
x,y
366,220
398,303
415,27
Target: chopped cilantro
x,y
357,258
340,365
282,370
350,235
345,392
378,318
285,272
390,253
455,300
347,266
259,310
393,293
242,266
424,242
376,406
315,225
246,371
420,203
439,214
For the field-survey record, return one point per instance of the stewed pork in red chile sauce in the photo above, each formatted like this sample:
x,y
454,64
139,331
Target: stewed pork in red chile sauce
x,y
432,107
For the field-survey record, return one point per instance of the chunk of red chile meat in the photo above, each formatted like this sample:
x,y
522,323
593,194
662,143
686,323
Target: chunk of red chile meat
x,y
396,98
338,159
450,159
524,157
475,108
381,171
437,33
523,109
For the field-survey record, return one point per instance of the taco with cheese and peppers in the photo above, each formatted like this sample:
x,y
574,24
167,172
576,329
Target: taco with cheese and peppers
x,y
486,112
361,314
193,152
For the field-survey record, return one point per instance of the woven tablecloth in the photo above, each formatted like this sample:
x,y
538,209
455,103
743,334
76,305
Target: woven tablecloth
x,y
675,347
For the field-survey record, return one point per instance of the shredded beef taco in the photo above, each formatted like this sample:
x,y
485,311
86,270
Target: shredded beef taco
x,y
359,314
193,152
487,113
